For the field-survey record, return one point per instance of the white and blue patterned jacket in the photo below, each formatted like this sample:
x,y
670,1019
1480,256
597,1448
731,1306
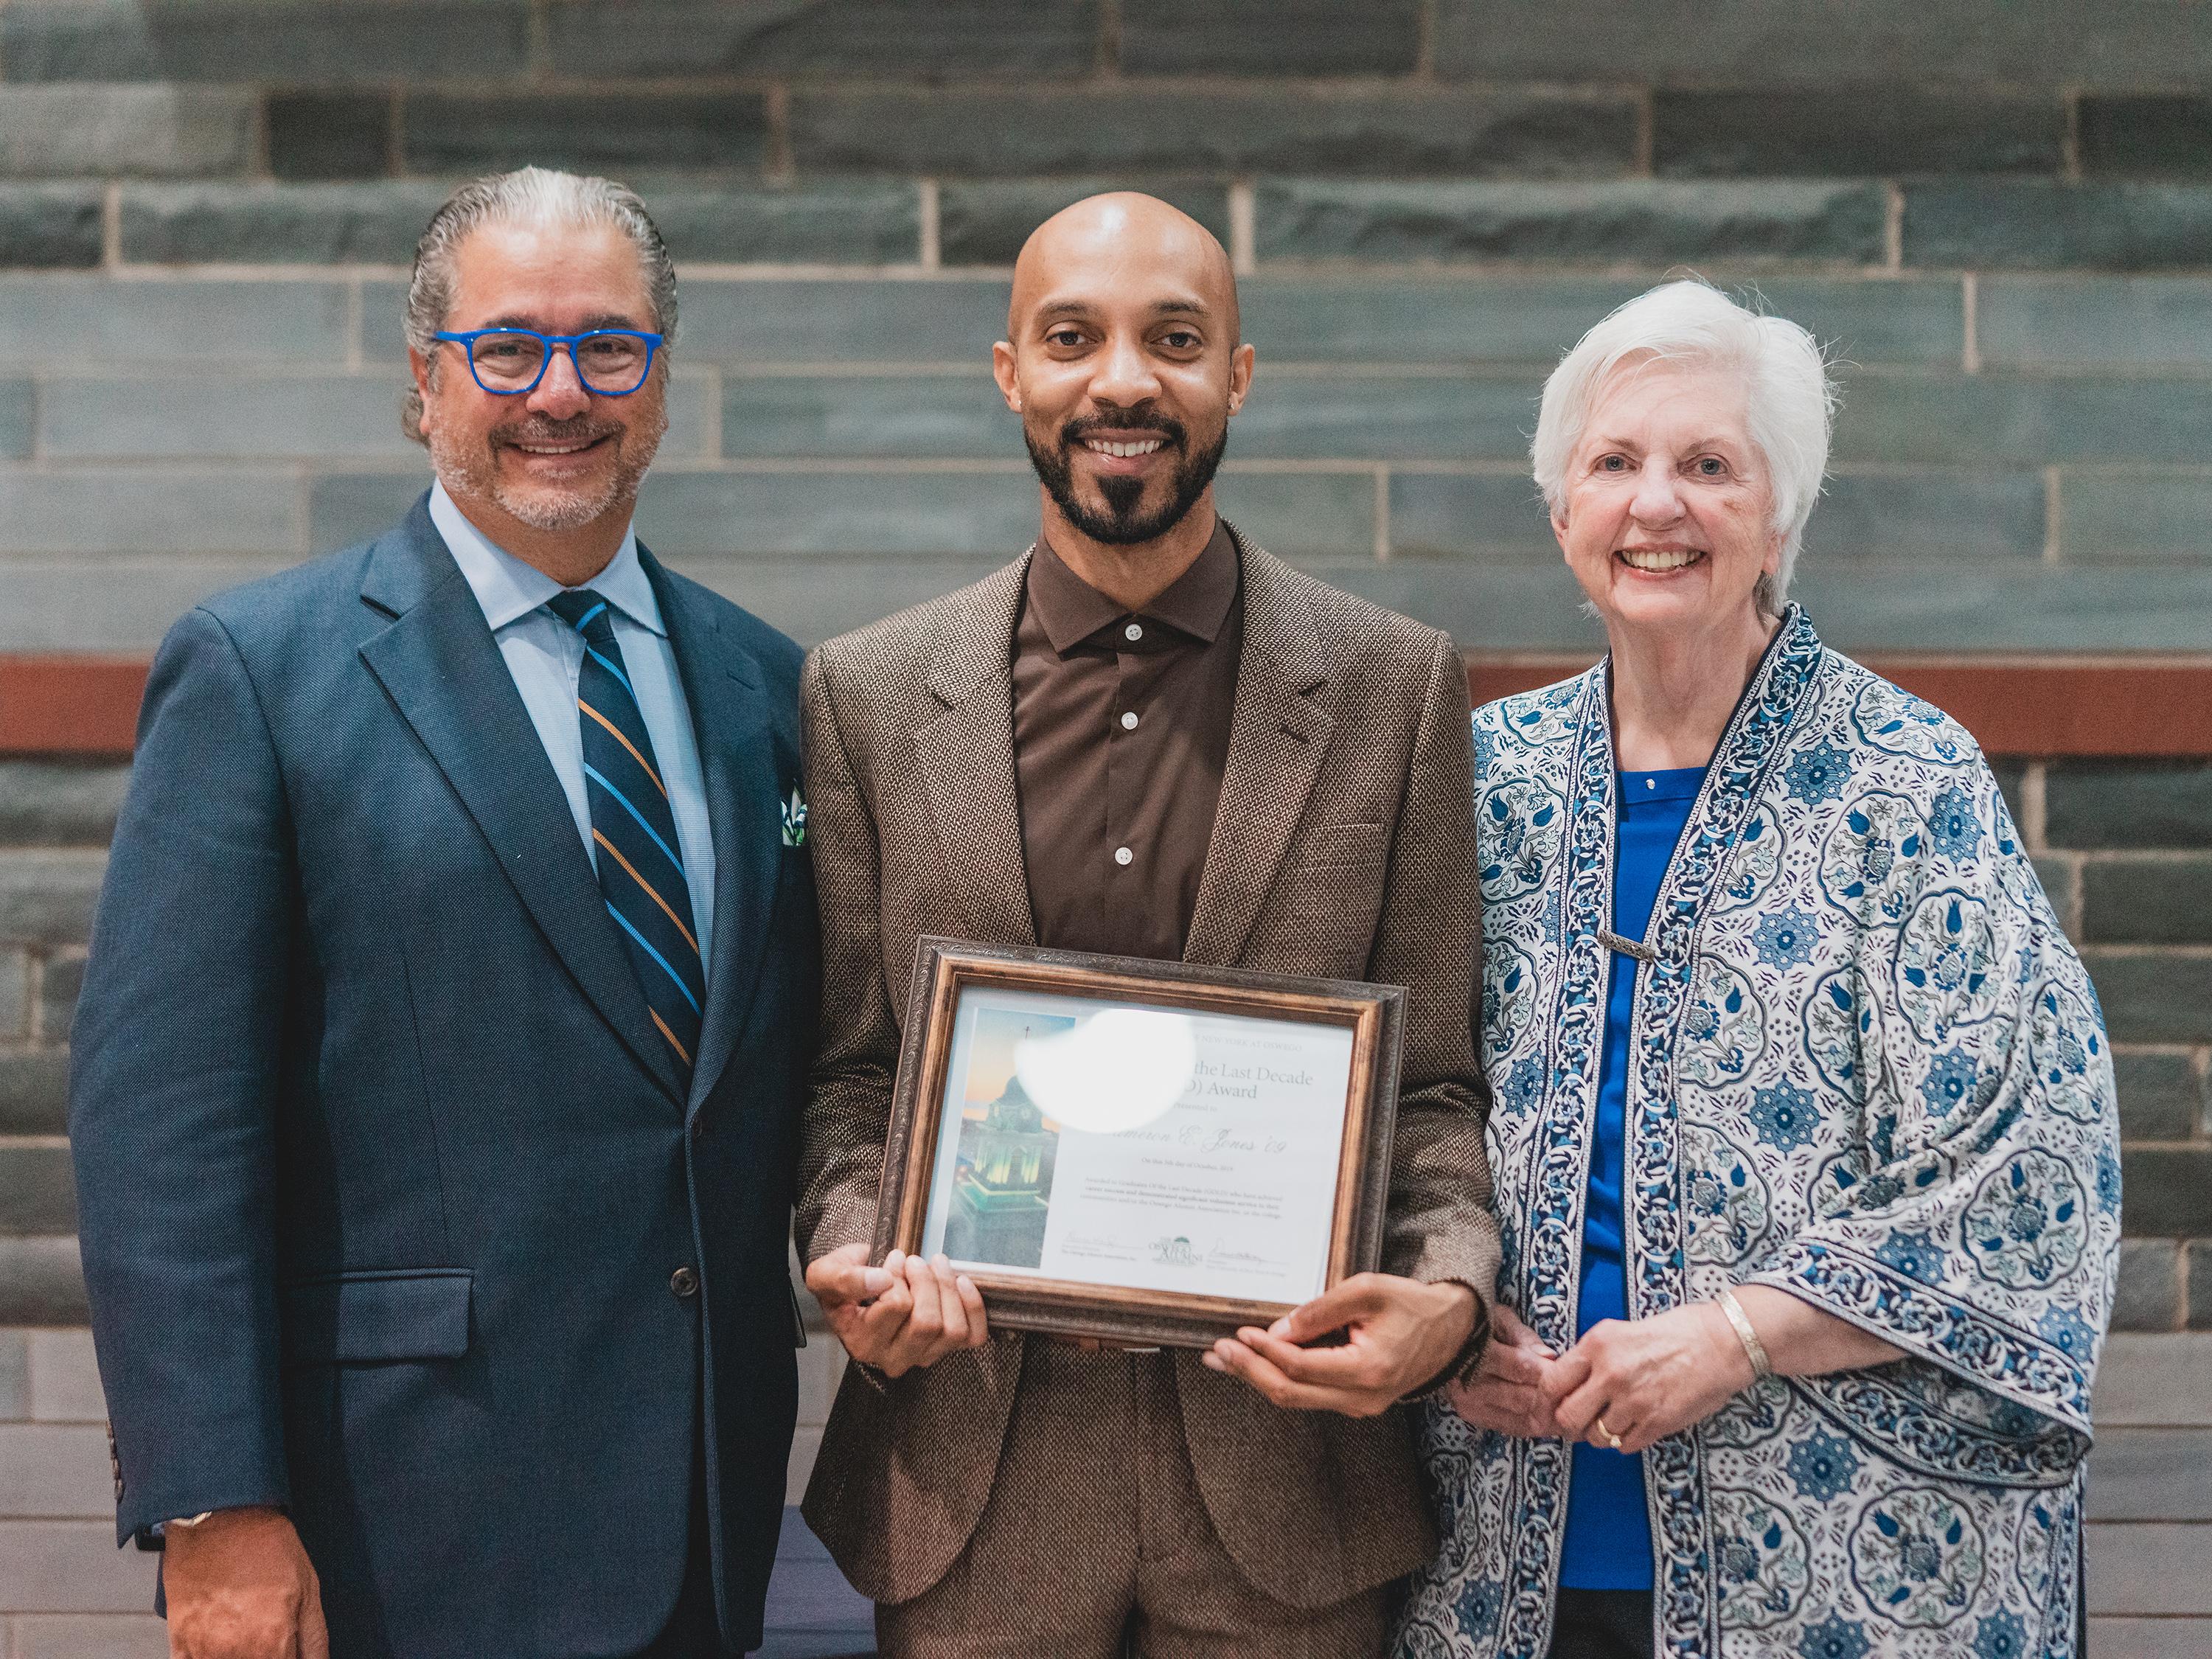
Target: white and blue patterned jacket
x,y
1867,1068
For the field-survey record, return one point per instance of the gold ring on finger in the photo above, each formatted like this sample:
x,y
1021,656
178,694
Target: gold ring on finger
x,y
1611,1438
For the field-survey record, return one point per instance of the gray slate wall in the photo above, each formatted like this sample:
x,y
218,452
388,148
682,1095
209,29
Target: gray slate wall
x,y
2000,214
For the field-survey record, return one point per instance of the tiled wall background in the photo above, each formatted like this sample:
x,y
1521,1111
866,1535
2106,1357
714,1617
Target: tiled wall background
x,y
2000,213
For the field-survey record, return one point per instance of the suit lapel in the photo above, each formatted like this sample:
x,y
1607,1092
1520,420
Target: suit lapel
x,y
731,724
442,669
1277,734
967,753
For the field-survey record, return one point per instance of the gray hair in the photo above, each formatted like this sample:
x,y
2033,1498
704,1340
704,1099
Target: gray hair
x,y
1788,416
534,196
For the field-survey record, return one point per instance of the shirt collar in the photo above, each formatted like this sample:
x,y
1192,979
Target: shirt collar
x,y
1196,603
509,590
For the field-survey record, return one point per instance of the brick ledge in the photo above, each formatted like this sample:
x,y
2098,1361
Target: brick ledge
x,y
86,706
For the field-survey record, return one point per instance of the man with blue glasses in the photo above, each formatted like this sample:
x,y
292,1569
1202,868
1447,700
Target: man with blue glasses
x,y
449,1009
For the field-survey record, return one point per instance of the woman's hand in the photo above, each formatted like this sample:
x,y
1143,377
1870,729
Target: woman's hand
x,y
1644,1379
1507,1391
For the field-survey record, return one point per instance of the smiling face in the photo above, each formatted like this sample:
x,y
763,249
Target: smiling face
x,y
1122,359
558,459
1667,518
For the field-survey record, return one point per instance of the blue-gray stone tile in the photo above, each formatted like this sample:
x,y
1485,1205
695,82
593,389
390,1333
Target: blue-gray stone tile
x,y
377,223
301,41
784,415
2148,1297
1646,221
37,1194
42,1283
906,38
984,222
1323,416
844,320
2034,225
2129,804
190,416
863,223
1270,37
813,599
2023,420
2168,1191
149,510
329,134
71,322
1956,514
2112,322
2107,516
1478,515
345,508
18,419
2146,134
1866,131
1351,130
46,895
59,803
2151,1474
1490,317
2161,1095
15,1376
2002,604
451,132
1302,515
2164,899
68,602
986,514
1759,43
33,1092
125,131
51,227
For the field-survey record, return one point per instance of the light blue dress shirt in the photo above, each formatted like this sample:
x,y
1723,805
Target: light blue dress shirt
x,y
545,657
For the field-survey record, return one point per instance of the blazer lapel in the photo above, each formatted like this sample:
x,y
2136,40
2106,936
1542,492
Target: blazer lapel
x,y
1278,734
730,723
967,754
442,669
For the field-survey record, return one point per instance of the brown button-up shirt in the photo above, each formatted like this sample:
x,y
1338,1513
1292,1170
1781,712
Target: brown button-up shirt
x,y
1120,734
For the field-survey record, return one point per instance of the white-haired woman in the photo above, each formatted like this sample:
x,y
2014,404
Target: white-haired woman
x,y
1803,1129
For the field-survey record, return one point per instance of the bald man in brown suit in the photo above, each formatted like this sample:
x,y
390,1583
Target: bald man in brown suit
x,y
1145,736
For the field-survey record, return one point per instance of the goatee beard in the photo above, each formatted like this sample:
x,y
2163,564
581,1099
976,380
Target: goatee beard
x,y
1123,523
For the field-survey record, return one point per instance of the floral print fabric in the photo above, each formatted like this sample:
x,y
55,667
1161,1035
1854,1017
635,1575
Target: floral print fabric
x,y
1867,1068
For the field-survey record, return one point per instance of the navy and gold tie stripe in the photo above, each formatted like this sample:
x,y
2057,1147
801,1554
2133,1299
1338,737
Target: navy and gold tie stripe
x,y
634,842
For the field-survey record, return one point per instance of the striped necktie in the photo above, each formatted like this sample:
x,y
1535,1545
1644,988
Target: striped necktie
x,y
633,831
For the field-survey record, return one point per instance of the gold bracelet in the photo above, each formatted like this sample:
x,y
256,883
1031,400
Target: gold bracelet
x,y
1754,1350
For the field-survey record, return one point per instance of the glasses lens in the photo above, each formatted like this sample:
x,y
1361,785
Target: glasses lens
x,y
613,362
508,359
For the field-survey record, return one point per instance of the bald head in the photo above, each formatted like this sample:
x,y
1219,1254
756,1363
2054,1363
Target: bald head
x,y
1125,243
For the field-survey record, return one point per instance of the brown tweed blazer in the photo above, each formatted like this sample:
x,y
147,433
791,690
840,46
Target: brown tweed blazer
x,y
1344,848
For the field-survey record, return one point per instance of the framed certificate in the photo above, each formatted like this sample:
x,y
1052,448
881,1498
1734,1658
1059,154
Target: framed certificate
x,y
1143,1153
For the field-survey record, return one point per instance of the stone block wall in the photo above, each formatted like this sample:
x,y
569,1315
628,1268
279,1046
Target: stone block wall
x,y
1999,217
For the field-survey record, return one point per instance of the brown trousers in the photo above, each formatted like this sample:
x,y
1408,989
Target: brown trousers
x,y
1119,1560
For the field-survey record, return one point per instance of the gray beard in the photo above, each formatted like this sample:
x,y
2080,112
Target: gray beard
x,y
473,470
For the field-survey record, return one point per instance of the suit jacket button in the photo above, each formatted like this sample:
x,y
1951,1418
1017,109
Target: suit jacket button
x,y
684,1283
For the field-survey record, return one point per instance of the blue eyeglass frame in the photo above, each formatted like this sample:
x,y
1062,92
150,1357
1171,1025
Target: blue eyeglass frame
x,y
467,339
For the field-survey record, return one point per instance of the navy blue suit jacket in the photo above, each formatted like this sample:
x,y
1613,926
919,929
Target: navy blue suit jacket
x,y
384,1174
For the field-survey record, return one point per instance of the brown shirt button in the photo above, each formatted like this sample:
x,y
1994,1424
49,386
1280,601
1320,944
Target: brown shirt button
x,y
1121,726
684,1283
